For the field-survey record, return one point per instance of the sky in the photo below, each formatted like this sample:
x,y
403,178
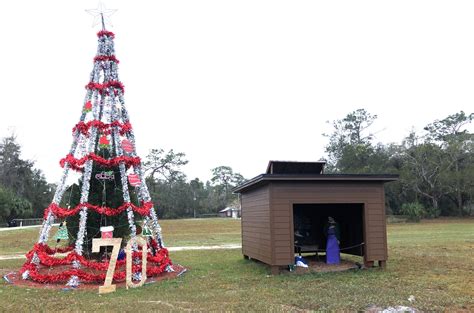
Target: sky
x,y
236,83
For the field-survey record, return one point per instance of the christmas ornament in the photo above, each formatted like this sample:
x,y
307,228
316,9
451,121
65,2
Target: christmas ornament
x,y
107,232
62,233
134,180
104,142
109,175
146,231
127,146
88,106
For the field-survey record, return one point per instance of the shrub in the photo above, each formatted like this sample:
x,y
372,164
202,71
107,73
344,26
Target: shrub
x,y
413,210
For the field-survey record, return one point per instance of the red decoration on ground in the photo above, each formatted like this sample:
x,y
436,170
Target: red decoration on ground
x,y
160,260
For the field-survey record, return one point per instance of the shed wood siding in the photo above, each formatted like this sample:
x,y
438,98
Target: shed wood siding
x,y
256,236
284,194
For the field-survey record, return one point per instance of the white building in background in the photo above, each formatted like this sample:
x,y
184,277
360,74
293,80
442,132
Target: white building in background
x,y
230,212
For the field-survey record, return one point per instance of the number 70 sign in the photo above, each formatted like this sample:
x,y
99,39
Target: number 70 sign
x,y
115,243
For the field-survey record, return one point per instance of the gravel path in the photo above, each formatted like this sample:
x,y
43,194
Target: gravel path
x,y
17,228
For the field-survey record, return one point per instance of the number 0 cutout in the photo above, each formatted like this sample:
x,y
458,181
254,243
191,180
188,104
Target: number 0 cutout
x,y
115,243
129,251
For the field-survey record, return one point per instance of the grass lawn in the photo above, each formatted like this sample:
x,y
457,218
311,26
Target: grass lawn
x,y
176,233
433,261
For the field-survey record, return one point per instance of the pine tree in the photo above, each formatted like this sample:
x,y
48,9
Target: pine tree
x,y
111,191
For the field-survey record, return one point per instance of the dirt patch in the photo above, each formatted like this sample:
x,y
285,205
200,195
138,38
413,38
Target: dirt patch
x,y
318,264
14,278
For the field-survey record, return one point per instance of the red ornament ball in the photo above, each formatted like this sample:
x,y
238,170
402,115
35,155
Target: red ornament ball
x,y
104,141
88,106
127,146
134,180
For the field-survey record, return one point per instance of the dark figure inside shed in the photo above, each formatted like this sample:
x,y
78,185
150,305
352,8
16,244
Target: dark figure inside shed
x,y
303,230
311,221
333,235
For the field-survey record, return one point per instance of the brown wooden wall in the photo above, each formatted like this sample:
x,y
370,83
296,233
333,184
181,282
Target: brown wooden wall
x,y
267,216
256,235
284,194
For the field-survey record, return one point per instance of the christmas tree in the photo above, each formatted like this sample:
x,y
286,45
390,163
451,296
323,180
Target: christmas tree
x,y
111,190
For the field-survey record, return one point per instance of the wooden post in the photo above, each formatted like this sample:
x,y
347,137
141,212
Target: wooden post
x,y
275,270
368,263
383,264
115,243
129,251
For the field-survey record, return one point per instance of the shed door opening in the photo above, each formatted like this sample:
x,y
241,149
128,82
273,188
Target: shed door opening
x,y
309,221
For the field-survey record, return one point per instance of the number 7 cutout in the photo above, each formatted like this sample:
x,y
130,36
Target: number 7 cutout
x,y
115,243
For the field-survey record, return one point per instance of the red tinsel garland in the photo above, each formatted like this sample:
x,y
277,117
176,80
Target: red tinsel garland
x,y
78,164
48,260
106,58
143,210
105,33
102,87
43,251
46,249
88,277
103,127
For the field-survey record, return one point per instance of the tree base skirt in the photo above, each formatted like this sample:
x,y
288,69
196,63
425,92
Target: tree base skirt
x,y
15,278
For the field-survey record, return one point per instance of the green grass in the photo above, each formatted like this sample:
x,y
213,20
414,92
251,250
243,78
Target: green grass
x,y
197,232
19,241
186,232
433,261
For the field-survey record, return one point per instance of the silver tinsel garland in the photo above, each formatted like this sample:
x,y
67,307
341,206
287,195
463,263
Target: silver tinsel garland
x,y
86,176
143,189
123,177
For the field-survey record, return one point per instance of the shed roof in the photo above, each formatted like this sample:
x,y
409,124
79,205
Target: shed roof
x,y
306,171
295,167
266,178
229,209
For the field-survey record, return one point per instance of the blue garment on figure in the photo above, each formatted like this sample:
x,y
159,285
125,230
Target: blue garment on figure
x,y
332,247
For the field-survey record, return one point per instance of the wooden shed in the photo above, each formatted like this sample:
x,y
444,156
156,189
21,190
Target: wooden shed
x,y
274,204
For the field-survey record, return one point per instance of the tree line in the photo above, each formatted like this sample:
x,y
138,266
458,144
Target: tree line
x,y
435,165
25,193
176,196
